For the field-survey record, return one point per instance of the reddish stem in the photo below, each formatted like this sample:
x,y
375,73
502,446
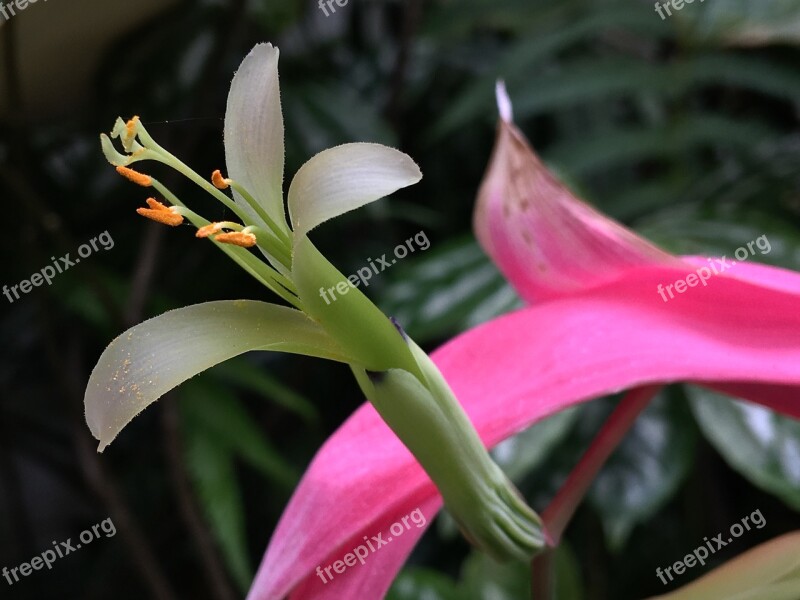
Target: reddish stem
x,y
559,512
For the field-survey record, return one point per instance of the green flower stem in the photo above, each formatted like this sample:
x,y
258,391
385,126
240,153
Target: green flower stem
x,y
433,426
543,576
348,315
273,247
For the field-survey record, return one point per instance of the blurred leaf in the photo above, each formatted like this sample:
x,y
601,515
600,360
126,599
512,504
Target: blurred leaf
x,y
569,583
449,289
646,469
84,302
527,450
688,232
449,20
240,371
422,584
630,146
211,466
579,82
211,408
746,71
484,579
760,444
644,198
596,79
518,61
741,22
326,114
276,16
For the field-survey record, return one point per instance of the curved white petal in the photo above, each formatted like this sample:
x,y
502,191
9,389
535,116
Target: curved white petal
x,y
344,178
148,360
254,132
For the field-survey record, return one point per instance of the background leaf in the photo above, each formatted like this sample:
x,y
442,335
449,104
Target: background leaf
x,y
454,287
739,22
212,468
222,415
760,444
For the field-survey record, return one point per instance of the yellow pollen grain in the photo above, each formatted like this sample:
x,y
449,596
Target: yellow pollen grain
x,y
219,181
237,238
135,176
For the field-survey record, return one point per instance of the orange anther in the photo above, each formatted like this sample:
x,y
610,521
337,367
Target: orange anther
x,y
168,215
135,176
208,230
156,205
219,181
237,238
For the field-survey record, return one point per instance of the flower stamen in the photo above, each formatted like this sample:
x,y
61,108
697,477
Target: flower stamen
x,y
168,215
219,181
245,239
135,176
209,229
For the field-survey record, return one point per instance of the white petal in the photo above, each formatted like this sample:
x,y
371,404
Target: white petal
x,y
254,132
150,359
344,178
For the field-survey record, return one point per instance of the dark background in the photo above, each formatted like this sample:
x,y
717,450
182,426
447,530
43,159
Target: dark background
x,y
686,129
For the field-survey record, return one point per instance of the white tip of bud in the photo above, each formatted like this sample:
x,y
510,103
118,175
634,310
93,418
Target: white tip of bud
x,y
503,101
